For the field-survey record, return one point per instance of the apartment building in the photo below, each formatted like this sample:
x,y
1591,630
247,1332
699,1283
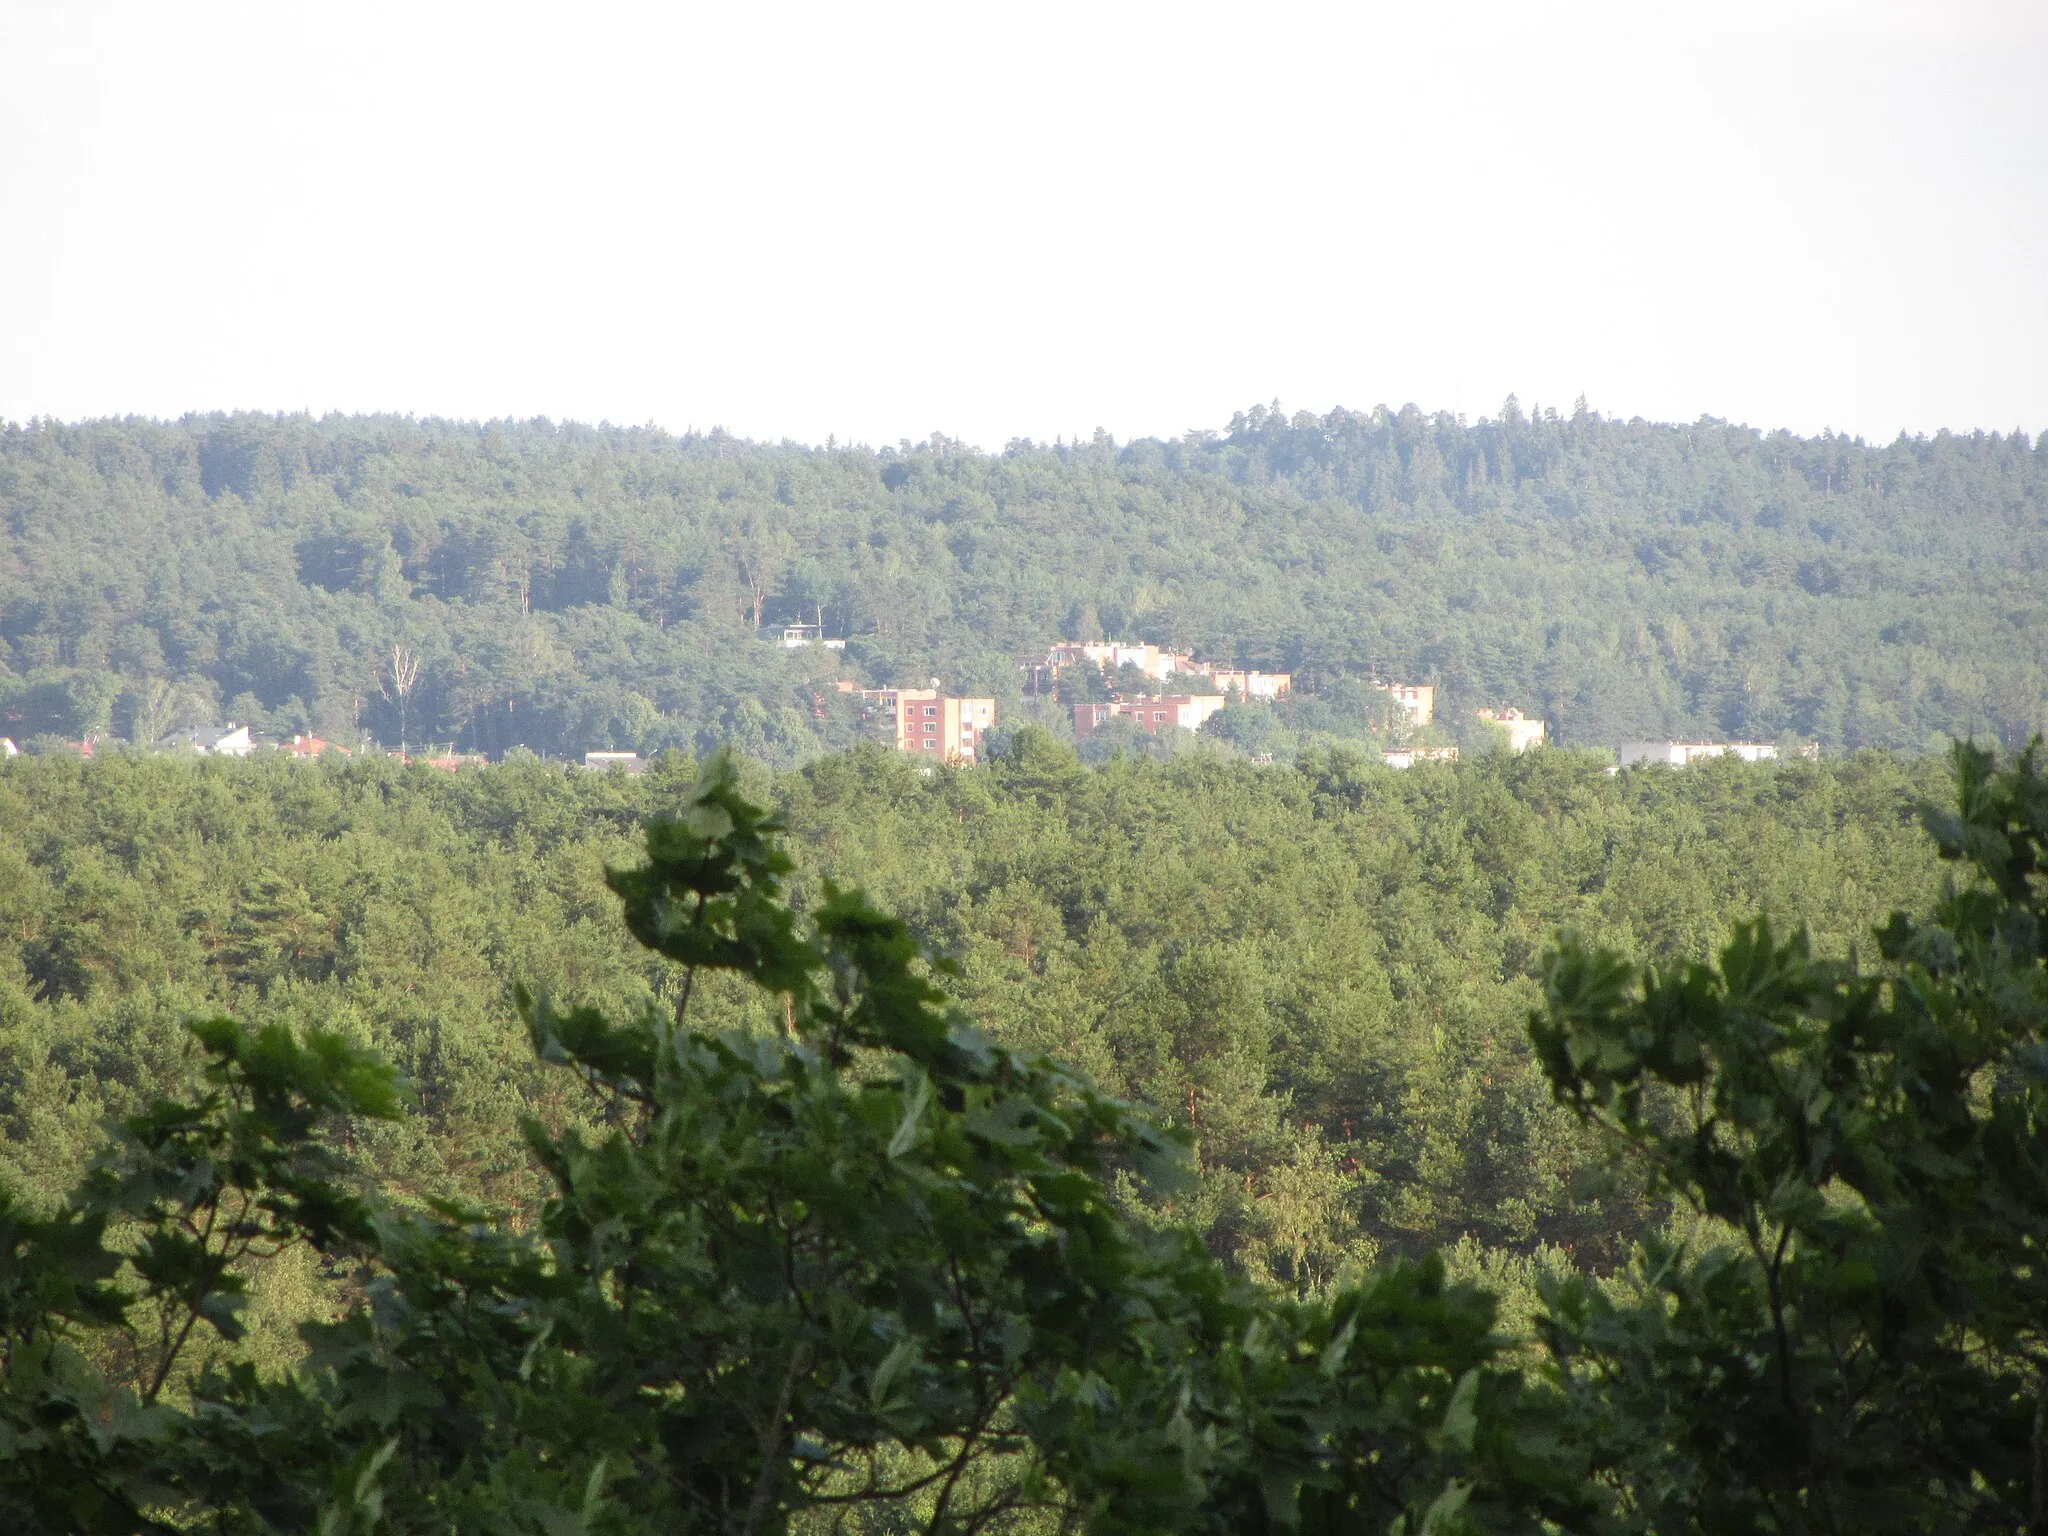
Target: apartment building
x,y
1249,683
1186,710
1523,733
1158,665
928,723
1418,699
1110,655
1677,754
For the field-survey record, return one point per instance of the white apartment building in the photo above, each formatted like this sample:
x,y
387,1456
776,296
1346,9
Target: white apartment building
x,y
1109,655
1676,754
1523,733
1249,683
1159,664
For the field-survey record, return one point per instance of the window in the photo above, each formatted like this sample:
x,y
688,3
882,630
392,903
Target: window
x,y
931,709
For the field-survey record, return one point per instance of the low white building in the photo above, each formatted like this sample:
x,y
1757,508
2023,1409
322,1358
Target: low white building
x,y
796,636
628,762
1408,757
1676,754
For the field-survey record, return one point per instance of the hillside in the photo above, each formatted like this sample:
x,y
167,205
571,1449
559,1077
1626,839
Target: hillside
x,y
570,587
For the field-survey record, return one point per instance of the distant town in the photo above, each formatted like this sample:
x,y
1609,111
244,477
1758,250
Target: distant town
x,y
1139,686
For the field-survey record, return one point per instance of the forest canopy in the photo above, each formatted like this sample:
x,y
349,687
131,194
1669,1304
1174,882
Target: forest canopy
x,y
1321,970
568,587
805,1249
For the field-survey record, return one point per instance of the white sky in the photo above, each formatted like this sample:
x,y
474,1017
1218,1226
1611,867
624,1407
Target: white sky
x,y
1004,220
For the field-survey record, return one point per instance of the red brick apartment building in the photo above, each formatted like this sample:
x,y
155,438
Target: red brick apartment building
x,y
1186,710
928,723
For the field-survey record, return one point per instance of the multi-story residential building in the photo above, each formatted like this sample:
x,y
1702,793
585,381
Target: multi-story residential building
x,y
1249,683
1186,710
1157,664
1677,754
928,723
1110,655
1418,699
1523,733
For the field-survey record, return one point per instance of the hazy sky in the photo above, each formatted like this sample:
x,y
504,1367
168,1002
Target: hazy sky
x,y
1026,220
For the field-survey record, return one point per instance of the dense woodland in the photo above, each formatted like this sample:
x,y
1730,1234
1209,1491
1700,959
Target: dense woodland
x,y
1170,1137
1322,970
804,1230
570,587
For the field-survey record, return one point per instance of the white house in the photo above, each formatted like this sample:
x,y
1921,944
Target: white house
x,y
228,740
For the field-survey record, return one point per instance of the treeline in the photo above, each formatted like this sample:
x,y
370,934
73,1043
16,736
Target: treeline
x,y
569,587
1322,971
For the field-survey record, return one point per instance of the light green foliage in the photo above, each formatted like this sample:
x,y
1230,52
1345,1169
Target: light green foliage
x,y
568,588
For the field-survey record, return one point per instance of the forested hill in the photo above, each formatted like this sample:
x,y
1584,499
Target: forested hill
x,y
571,587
